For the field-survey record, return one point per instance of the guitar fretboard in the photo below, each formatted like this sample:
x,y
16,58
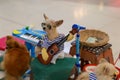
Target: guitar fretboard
x,y
62,41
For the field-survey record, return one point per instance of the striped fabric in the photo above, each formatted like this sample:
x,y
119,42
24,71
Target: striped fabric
x,y
92,76
46,42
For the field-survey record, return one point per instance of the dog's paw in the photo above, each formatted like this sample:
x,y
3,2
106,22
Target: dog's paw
x,y
72,76
2,65
53,62
61,56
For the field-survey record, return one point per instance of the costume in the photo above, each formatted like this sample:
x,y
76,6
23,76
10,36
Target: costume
x,y
46,42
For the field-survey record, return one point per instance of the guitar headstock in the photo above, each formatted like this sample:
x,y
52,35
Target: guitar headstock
x,y
76,28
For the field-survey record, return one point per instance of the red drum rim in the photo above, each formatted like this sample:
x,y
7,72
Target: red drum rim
x,y
89,67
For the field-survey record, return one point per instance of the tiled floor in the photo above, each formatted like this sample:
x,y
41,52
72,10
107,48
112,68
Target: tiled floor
x,y
94,14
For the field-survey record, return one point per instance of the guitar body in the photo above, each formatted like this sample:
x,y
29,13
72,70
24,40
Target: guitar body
x,y
53,49
44,61
48,54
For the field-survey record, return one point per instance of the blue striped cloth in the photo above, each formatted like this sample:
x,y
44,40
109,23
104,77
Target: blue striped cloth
x,y
92,76
46,42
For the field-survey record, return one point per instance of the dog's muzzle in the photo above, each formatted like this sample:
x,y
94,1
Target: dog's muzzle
x,y
8,47
44,26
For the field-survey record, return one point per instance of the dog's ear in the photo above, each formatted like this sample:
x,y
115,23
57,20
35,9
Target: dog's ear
x,y
45,16
106,70
9,37
102,60
58,23
16,44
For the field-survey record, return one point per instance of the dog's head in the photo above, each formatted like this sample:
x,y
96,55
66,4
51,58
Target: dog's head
x,y
50,25
107,69
12,43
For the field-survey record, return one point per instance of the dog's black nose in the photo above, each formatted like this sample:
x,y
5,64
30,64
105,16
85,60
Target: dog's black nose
x,y
6,47
114,77
44,28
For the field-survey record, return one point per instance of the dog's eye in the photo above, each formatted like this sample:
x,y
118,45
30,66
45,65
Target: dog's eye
x,y
43,24
49,26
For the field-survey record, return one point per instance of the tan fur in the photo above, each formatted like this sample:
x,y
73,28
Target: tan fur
x,y
16,59
103,71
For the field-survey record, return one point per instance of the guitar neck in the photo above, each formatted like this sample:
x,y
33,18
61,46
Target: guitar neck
x,y
62,41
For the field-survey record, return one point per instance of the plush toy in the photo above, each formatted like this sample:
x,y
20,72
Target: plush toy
x,y
103,71
52,36
16,59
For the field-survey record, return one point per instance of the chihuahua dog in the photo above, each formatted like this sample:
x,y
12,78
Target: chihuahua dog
x,y
52,36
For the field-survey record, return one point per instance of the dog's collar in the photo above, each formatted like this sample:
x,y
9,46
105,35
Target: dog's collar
x,y
92,76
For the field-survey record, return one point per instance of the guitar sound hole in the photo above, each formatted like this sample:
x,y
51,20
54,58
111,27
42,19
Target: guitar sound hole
x,y
51,52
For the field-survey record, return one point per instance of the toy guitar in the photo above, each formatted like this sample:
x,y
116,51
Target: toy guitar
x,y
47,55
